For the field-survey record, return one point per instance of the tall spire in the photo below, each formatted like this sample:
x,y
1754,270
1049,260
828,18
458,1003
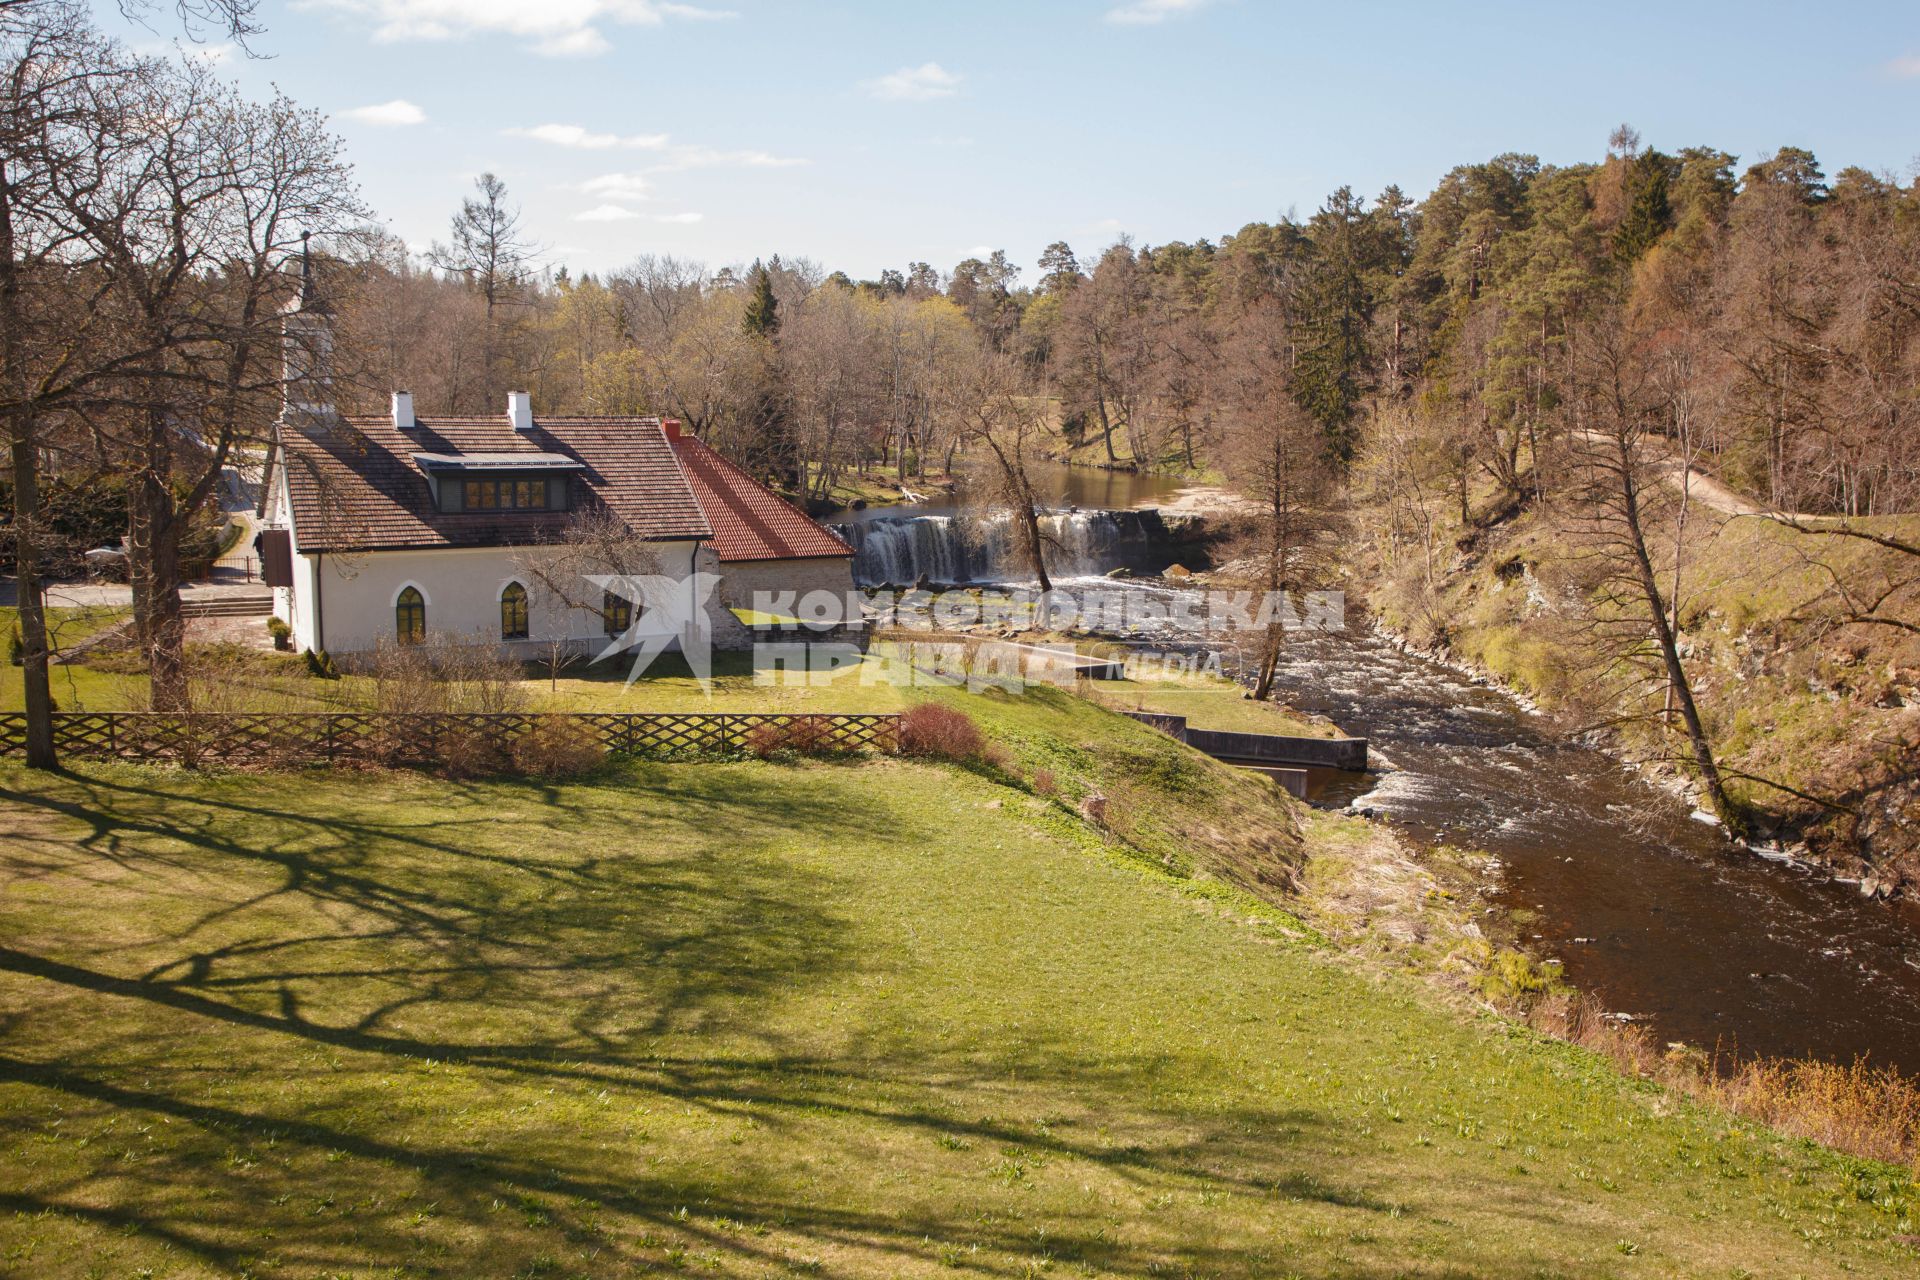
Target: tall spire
x,y
307,343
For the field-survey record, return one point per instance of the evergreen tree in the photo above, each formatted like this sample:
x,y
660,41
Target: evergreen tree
x,y
762,318
1336,308
1649,210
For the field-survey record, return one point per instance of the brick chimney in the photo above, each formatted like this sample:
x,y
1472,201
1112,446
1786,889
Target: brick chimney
x,y
672,427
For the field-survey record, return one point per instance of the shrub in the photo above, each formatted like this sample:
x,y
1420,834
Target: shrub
x,y
1044,784
558,747
940,733
1514,975
320,666
802,736
812,736
16,647
280,631
768,739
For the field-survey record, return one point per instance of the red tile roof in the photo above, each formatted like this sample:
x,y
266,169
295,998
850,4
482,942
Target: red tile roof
x,y
750,521
357,487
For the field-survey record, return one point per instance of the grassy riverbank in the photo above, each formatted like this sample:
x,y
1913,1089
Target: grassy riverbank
x,y
879,1018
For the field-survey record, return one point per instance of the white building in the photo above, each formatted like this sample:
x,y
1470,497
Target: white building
x,y
392,527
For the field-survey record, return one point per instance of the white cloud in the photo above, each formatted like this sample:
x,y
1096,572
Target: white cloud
x,y
1906,66
556,28
214,54
923,83
606,213
697,157
1144,13
626,187
387,114
680,219
580,139
673,159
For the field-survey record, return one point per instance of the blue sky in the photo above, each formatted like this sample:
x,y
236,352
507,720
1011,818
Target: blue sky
x,y
864,134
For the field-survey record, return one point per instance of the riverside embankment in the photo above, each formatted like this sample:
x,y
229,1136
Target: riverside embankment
x,y
1656,915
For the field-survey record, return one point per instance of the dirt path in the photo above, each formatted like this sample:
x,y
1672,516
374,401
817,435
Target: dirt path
x,y
1702,487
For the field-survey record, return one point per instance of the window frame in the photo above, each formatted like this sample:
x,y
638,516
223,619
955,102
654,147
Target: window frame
x,y
616,613
410,615
514,607
511,493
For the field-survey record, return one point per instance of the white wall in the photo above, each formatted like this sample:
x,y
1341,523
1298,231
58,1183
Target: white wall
x,y
352,597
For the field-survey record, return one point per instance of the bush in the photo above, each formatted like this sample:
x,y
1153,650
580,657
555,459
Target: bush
x,y
800,736
768,740
320,666
940,733
16,647
558,747
1044,784
461,751
280,632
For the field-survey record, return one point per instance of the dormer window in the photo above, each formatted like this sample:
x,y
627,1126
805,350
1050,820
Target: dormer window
x,y
494,482
514,493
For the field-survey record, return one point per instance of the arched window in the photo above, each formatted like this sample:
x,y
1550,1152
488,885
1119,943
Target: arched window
x,y
513,612
410,616
616,612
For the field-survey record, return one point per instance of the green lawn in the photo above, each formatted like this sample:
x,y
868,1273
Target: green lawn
x,y
870,1019
733,686
75,687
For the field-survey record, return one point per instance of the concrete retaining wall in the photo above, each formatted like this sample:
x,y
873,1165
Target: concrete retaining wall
x,y
1263,748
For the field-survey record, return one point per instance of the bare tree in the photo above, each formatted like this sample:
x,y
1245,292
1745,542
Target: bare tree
x,y
41,329
989,401
194,227
488,249
1275,454
1623,462
560,575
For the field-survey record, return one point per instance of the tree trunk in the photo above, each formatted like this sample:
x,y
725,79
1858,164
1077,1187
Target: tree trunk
x,y
154,562
1668,640
30,599
1035,546
1269,662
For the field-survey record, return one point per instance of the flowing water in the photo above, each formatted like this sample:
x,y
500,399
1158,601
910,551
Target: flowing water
x,y
1651,911
962,548
1095,521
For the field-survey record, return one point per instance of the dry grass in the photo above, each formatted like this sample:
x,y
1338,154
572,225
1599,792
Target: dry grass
x,y
1864,1110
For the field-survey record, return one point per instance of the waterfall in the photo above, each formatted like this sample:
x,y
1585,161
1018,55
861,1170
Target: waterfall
x,y
901,550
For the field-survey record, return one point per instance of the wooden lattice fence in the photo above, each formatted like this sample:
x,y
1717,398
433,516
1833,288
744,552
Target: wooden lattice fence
x,y
429,737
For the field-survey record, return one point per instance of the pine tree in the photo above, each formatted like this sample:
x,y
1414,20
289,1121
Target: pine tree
x,y
762,319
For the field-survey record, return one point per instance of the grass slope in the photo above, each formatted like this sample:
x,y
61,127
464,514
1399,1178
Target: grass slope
x,y
875,1019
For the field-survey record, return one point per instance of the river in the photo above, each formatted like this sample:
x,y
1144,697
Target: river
x,y
1652,912
1656,914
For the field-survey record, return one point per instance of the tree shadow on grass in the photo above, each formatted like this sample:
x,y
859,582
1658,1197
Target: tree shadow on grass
x,y
315,988
491,909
